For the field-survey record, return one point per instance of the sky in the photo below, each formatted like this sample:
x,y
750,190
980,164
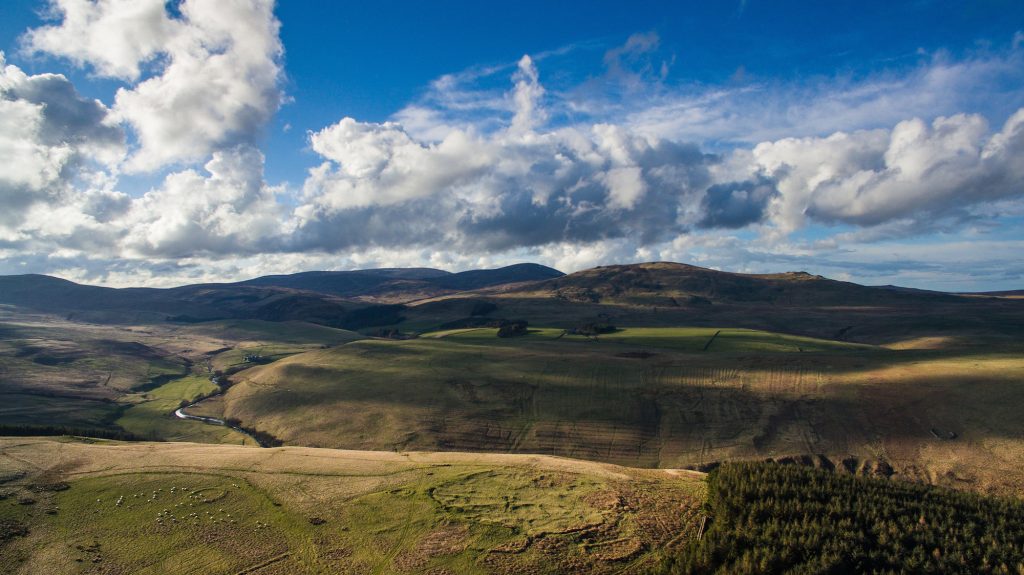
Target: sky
x,y
160,143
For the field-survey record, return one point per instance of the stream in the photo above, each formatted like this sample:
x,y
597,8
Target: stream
x,y
180,414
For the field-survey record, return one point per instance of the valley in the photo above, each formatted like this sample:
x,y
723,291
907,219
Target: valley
x,y
425,435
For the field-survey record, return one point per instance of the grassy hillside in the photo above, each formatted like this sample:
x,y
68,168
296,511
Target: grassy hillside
x,y
403,285
657,398
287,332
69,505
692,339
671,295
682,284
105,507
60,373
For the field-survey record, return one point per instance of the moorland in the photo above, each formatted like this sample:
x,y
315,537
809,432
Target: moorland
x,y
512,420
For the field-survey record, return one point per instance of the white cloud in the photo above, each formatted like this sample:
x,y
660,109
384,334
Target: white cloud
x,y
527,95
49,135
218,70
625,187
492,191
230,211
115,36
916,170
379,164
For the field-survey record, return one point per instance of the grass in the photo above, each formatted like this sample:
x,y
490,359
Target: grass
x,y
234,359
254,330
31,409
691,339
152,414
223,509
725,340
58,372
653,398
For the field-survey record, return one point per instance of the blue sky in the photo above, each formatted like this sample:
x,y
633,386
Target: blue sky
x,y
876,142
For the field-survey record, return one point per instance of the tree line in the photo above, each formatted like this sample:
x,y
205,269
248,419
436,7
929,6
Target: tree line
x,y
771,518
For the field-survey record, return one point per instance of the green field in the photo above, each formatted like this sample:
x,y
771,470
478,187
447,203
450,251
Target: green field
x,y
655,398
692,339
60,373
254,330
221,509
151,414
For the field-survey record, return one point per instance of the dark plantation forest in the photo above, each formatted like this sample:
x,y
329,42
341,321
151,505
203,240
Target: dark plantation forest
x,y
771,518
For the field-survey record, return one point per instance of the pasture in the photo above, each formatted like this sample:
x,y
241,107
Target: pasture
x,y
657,398
185,508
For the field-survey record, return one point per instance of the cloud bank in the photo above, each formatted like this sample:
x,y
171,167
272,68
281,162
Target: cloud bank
x,y
470,175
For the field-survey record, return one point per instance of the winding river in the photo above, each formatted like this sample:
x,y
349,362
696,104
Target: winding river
x,y
180,414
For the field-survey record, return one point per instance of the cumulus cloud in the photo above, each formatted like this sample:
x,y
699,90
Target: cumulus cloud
x,y
527,95
507,189
218,70
49,135
736,204
916,170
228,210
474,175
114,36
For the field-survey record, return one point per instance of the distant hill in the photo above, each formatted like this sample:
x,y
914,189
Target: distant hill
x,y
675,294
653,294
675,284
353,299
185,304
1008,293
402,285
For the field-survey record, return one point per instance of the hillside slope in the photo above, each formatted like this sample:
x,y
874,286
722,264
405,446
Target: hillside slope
x,y
401,285
105,507
673,294
658,397
187,304
681,284
328,298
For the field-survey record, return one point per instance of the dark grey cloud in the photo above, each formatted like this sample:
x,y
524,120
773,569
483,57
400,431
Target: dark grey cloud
x,y
67,117
500,192
736,204
48,134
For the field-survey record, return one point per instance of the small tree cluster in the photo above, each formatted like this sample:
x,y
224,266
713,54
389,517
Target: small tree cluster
x,y
513,328
592,329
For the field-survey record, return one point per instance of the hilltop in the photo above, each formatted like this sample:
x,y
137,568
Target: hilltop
x,y
677,284
106,507
338,299
396,285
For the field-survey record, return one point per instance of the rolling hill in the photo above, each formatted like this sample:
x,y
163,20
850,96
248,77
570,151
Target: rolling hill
x,y
498,454
676,284
672,294
402,285
336,299
76,506
657,397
